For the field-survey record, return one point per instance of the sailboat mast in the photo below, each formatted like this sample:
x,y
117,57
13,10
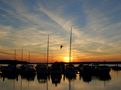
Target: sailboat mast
x,y
15,54
47,50
29,56
22,54
70,45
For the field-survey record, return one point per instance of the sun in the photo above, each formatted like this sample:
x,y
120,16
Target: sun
x,y
66,58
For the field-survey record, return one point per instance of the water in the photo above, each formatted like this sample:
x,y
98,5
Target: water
x,y
114,83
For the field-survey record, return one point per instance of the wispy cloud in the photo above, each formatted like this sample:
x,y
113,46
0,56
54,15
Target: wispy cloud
x,y
96,25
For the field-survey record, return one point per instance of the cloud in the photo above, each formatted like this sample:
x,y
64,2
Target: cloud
x,y
99,32
4,31
96,25
63,22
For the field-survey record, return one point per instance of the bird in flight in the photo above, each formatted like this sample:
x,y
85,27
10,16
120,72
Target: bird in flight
x,y
61,46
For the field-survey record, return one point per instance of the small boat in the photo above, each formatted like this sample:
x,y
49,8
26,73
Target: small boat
x,y
27,68
56,78
42,69
116,68
70,71
27,71
57,68
100,70
10,71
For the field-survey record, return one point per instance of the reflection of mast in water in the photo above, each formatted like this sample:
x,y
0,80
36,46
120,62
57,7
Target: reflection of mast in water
x,y
47,84
69,84
21,84
104,83
14,84
28,84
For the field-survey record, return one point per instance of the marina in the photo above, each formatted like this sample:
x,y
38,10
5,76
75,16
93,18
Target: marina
x,y
59,79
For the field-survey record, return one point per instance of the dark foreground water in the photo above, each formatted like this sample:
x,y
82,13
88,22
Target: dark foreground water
x,y
112,83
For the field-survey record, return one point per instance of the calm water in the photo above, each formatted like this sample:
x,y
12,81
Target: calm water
x,y
77,84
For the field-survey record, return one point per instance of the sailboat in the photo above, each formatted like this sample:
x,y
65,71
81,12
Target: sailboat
x,y
70,71
42,69
10,71
26,71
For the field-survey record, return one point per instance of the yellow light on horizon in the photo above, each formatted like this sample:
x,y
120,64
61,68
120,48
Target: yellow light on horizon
x,y
66,59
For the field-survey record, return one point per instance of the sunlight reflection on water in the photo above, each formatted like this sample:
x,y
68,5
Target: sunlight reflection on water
x,y
78,84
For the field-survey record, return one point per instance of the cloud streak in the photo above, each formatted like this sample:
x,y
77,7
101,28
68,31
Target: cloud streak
x,y
96,25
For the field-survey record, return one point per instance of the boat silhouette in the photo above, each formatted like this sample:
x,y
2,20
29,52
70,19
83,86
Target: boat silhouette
x,y
42,73
56,78
70,72
27,71
116,68
57,68
56,71
89,71
42,69
10,72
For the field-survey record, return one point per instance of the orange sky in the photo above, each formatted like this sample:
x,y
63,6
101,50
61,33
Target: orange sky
x,y
95,25
61,57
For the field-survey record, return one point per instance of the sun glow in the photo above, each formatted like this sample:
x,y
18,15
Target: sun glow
x,y
66,58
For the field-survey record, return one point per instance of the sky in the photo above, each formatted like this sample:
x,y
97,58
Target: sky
x,y
96,29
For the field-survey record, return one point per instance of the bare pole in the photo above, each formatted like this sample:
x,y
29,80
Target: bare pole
x,y
70,45
47,50
15,54
29,56
47,57
22,54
